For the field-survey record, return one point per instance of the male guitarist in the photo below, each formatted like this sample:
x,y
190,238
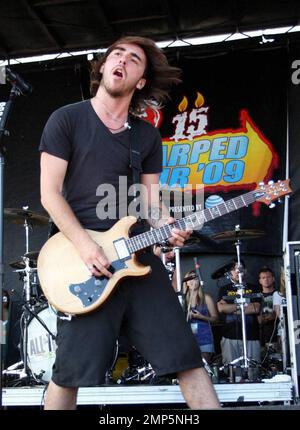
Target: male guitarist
x,y
84,146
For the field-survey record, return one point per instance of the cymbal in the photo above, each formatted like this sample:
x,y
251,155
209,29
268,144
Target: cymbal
x,y
33,255
192,240
18,216
238,234
20,265
221,271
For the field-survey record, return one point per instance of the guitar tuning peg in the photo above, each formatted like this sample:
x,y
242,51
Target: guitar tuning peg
x,y
272,205
271,182
261,185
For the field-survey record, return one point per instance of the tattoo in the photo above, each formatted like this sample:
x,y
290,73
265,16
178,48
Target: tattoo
x,y
154,216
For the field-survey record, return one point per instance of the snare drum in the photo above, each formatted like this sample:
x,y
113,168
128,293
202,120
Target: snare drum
x,y
41,346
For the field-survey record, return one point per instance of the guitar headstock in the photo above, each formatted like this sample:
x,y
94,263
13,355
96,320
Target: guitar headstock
x,y
267,193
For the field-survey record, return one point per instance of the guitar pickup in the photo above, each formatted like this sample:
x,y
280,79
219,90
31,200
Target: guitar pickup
x,y
122,249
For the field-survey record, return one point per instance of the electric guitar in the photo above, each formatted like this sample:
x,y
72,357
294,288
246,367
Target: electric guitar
x,y
68,284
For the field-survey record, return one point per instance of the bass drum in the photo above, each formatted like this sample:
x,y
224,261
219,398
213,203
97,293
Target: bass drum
x,y
41,344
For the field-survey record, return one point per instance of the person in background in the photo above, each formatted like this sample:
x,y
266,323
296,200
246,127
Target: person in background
x,y
278,301
201,313
279,296
267,319
232,334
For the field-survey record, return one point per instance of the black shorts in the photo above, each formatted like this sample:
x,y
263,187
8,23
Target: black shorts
x,y
149,312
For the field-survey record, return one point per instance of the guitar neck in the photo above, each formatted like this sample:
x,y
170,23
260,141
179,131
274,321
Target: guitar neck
x,y
193,221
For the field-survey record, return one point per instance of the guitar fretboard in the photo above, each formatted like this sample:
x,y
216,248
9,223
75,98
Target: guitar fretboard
x,y
193,221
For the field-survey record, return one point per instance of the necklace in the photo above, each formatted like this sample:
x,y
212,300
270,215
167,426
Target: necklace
x,y
125,124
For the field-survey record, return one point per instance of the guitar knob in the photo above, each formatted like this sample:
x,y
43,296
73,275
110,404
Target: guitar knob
x,y
271,183
272,205
77,289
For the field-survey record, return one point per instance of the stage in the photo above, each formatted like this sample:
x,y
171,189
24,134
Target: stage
x,y
281,392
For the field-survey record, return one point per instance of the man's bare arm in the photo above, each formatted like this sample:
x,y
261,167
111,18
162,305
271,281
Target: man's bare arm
x,y
53,171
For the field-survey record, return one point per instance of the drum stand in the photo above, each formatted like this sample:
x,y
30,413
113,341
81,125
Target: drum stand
x,y
241,301
28,312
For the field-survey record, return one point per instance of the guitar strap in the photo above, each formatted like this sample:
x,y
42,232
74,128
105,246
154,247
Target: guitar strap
x,y
135,157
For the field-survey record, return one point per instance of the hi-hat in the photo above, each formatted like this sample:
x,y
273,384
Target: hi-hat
x,y
20,264
19,216
238,234
33,255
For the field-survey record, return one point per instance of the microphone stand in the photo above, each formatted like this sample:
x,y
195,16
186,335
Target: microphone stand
x,y
14,93
198,272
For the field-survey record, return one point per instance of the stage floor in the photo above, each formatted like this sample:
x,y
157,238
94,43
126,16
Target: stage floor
x,y
155,394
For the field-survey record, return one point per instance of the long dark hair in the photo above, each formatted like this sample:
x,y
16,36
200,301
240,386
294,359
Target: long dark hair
x,y
159,75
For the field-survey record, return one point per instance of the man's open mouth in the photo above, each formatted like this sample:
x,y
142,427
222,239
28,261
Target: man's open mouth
x,y
118,72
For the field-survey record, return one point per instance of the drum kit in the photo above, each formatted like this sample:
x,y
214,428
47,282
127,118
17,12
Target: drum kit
x,y
38,320
273,360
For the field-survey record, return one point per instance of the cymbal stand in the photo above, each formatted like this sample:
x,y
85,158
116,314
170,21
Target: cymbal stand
x,y
171,267
14,369
27,225
27,310
241,301
178,270
165,248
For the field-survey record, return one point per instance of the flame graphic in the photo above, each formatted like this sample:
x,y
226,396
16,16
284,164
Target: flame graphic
x,y
183,104
199,100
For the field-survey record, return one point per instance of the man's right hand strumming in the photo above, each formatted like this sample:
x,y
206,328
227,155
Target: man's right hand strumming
x,y
94,258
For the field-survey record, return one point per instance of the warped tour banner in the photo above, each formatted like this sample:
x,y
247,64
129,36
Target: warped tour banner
x,y
225,129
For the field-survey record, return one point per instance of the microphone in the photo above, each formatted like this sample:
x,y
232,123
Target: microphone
x,y
197,268
19,82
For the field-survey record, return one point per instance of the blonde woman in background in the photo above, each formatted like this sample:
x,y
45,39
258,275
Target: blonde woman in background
x,y
201,312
